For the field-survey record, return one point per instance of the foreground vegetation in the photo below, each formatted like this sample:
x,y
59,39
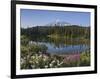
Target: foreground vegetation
x,y
35,56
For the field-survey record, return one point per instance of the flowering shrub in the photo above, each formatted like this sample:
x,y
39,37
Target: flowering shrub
x,y
53,61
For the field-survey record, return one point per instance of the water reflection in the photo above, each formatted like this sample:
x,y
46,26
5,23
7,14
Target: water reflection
x,y
62,45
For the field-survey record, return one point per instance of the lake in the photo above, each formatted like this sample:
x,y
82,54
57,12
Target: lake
x,y
60,46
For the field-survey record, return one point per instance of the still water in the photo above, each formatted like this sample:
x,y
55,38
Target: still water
x,y
63,46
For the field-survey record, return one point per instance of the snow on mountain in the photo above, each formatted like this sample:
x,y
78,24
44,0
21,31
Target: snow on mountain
x,y
58,23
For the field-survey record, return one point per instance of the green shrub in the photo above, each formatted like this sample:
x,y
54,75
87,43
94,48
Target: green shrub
x,y
85,59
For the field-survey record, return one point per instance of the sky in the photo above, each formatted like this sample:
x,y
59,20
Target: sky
x,y
31,17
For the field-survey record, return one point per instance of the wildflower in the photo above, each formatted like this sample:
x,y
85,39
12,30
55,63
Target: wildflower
x,y
53,61
46,66
36,62
33,57
40,56
60,63
33,66
51,65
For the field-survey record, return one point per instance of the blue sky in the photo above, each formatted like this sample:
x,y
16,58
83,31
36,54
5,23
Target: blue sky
x,y
31,17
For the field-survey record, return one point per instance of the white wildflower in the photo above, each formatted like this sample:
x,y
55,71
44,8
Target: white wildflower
x,y
61,63
46,66
36,62
51,65
33,57
44,59
40,56
53,61
32,66
58,62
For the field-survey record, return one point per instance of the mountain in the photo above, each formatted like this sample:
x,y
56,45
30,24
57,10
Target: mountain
x,y
58,23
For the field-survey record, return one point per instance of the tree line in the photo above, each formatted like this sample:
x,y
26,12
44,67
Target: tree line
x,y
58,31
